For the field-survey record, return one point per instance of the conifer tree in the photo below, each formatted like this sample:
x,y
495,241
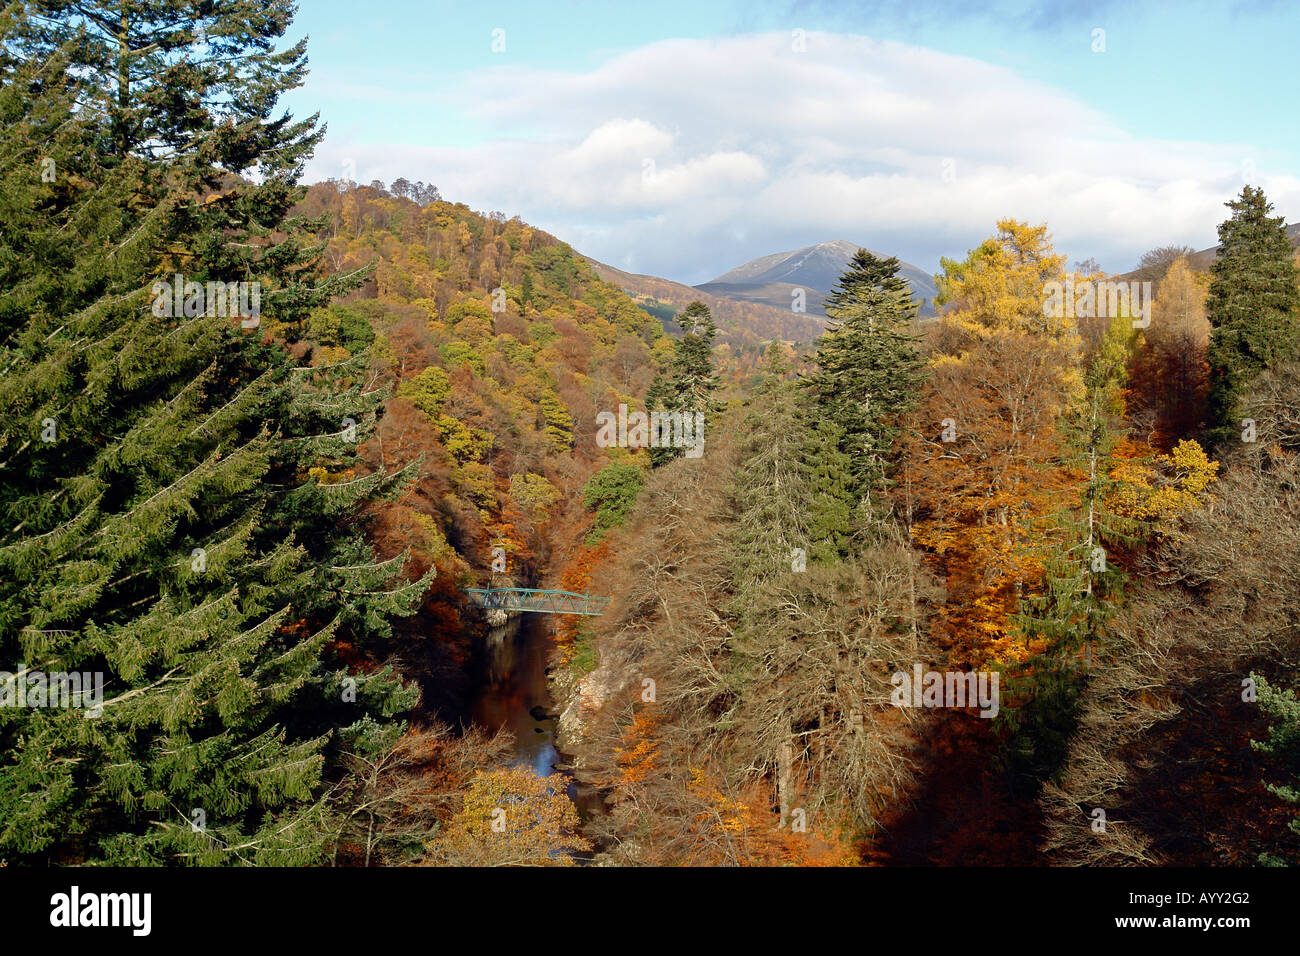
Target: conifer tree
x,y
1081,583
792,489
690,382
179,503
816,621
1283,742
525,292
869,369
1002,374
1253,305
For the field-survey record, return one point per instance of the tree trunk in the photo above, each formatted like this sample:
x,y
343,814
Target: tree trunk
x,y
123,81
784,760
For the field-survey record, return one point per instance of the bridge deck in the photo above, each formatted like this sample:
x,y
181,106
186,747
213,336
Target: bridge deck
x,y
533,599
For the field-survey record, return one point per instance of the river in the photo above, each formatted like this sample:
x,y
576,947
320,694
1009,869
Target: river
x,y
511,692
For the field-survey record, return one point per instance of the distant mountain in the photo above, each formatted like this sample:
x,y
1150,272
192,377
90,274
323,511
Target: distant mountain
x,y
772,280
741,321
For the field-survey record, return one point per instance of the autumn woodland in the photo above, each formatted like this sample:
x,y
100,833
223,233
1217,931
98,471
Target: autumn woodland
x,y
1007,582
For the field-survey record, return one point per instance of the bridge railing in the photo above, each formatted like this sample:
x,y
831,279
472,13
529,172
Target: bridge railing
x,y
537,600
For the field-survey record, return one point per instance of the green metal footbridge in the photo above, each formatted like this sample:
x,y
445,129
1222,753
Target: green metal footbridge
x,y
533,599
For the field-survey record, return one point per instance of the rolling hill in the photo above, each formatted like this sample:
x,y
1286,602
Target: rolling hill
x,y
740,321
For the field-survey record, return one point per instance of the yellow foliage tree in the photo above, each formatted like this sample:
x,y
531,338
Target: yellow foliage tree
x,y
1002,284
980,468
1162,487
511,817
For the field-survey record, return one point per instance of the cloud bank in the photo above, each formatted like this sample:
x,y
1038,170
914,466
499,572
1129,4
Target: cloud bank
x,y
684,158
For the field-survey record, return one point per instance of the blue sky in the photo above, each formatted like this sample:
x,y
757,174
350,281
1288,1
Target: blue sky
x,y
682,138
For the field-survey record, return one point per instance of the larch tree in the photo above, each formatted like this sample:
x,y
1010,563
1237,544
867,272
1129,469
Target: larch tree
x,y
978,469
511,817
1169,381
1082,579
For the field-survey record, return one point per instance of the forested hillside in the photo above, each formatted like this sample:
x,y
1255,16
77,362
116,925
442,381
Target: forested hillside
x,y
1025,495
282,468
500,346
253,516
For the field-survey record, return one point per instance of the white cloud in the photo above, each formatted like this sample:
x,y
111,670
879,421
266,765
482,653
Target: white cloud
x,y
685,157
619,141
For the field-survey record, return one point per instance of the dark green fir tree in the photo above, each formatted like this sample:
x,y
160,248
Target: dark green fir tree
x,y
180,498
1253,305
689,384
1083,584
793,500
1282,709
869,371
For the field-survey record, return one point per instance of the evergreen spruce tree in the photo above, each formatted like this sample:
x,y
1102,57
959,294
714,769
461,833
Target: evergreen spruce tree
x,y
178,502
525,292
689,383
1253,306
1082,585
1283,743
792,492
869,370
815,620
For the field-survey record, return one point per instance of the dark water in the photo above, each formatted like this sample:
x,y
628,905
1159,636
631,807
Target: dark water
x,y
510,691
510,687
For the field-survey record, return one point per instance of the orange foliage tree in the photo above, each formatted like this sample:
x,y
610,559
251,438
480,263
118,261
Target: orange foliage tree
x,y
978,470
